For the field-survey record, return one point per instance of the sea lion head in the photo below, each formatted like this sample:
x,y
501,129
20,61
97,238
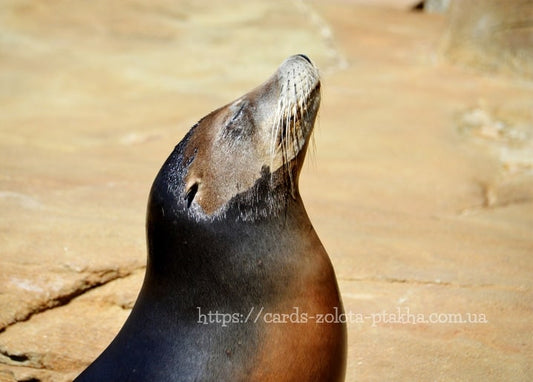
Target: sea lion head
x,y
247,155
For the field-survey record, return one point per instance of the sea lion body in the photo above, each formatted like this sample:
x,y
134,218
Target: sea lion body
x,y
229,239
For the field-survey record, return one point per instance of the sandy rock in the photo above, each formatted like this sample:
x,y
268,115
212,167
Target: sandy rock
x,y
65,339
492,35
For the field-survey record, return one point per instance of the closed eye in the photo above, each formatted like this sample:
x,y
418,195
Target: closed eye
x,y
237,115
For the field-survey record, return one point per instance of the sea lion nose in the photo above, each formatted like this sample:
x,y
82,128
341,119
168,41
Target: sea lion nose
x,y
305,58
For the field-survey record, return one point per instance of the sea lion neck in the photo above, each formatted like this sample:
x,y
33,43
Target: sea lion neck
x,y
221,258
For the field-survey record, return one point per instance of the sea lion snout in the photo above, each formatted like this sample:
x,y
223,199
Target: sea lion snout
x,y
305,58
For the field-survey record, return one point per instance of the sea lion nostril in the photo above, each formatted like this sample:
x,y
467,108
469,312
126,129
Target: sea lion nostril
x,y
305,58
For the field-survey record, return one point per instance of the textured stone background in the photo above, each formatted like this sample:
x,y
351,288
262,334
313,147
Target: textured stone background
x,y
420,185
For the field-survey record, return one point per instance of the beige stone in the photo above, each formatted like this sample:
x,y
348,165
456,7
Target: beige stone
x,y
492,35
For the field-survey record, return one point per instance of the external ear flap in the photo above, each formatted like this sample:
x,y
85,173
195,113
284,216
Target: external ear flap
x,y
191,193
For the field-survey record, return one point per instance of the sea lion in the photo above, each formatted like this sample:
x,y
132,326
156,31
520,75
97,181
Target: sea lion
x,y
237,280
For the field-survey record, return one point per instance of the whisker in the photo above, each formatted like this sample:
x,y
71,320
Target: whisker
x,y
291,127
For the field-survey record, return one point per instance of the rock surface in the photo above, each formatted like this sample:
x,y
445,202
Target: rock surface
x,y
420,185
492,35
